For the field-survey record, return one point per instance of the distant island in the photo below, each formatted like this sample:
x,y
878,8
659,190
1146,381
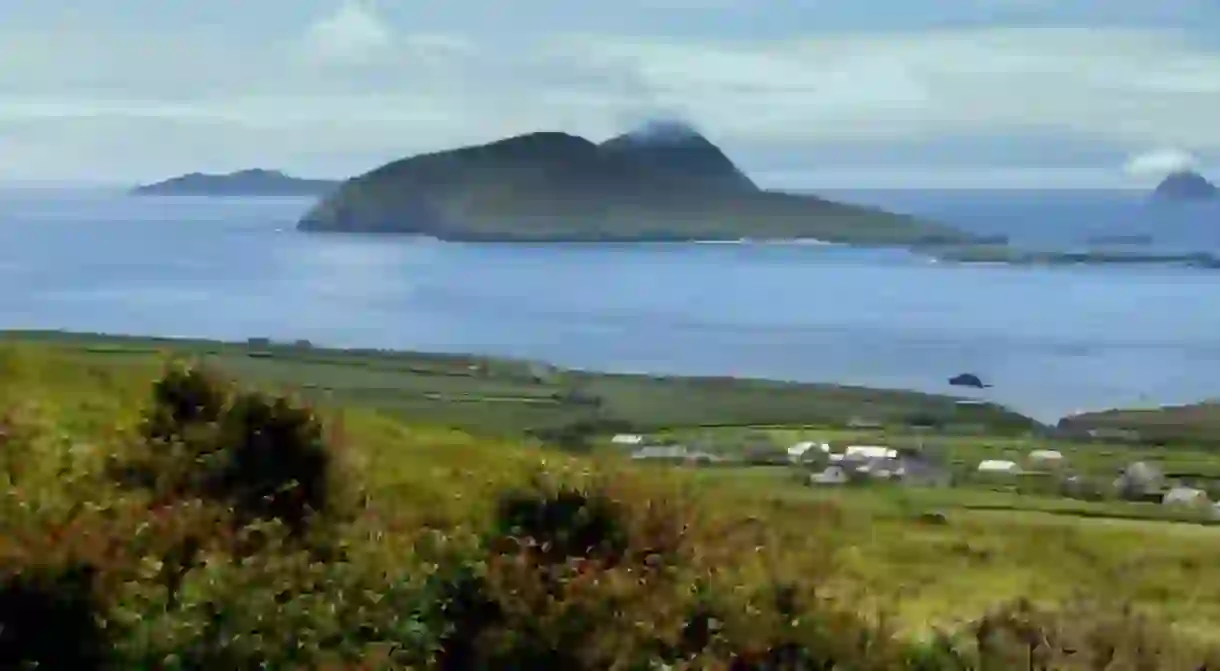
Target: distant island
x,y
1132,239
988,254
1186,185
256,182
664,182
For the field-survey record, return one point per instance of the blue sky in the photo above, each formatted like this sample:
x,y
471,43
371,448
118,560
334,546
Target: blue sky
x,y
802,93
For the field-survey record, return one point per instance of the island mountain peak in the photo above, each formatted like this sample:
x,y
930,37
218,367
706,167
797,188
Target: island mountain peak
x,y
678,151
663,131
1186,185
662,182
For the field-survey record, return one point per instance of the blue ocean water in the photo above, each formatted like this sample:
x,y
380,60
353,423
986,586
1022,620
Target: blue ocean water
x,y
1052,340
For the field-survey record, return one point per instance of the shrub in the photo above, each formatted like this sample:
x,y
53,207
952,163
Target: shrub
x,y
261,455
562,524
184,398
49,619
275,464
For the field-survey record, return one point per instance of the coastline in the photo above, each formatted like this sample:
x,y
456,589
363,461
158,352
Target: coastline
x,y
851,402
989,255
467,237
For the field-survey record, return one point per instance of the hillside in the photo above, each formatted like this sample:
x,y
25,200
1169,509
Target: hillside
x,y
665,182
1191,424
202,516
256,182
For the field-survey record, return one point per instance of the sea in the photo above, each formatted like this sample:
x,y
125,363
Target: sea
x,y
1052,340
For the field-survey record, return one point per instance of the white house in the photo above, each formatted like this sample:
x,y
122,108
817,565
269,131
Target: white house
x,y
1046,457
627,439
869,452
1185,496
998,466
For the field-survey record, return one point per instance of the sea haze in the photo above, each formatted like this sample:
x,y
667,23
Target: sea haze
x,y
1052,340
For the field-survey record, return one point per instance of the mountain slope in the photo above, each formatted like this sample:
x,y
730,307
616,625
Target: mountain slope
x,y
664,182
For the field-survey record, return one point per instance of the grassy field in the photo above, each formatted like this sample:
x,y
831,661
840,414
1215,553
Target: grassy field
x,y
394,577
506,397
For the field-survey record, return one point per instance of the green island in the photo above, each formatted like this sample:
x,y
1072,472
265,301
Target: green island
x,y
662,183
187,504
1013,256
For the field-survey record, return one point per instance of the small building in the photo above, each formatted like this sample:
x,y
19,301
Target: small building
x,y
863,423
920,472
1045,458
879,468
999,467
627,439
1185,496
1140,481
865,452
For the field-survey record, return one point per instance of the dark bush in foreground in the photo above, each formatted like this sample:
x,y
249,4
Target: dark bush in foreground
x,y
184,398
49,620
261,455
275,462
562,524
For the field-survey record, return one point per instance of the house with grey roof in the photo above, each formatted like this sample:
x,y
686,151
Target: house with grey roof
x,y
1140,481
918,471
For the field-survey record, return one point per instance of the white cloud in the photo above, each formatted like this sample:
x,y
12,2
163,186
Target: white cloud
x,y
1160,162
355,33
1123,85
138,105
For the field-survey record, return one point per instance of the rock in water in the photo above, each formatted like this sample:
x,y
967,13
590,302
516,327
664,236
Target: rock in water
x,y
967,380
1186,185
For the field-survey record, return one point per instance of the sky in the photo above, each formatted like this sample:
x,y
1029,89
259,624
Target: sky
x,y
800,93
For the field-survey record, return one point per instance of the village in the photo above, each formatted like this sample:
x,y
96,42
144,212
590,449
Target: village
x,y
1038,471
